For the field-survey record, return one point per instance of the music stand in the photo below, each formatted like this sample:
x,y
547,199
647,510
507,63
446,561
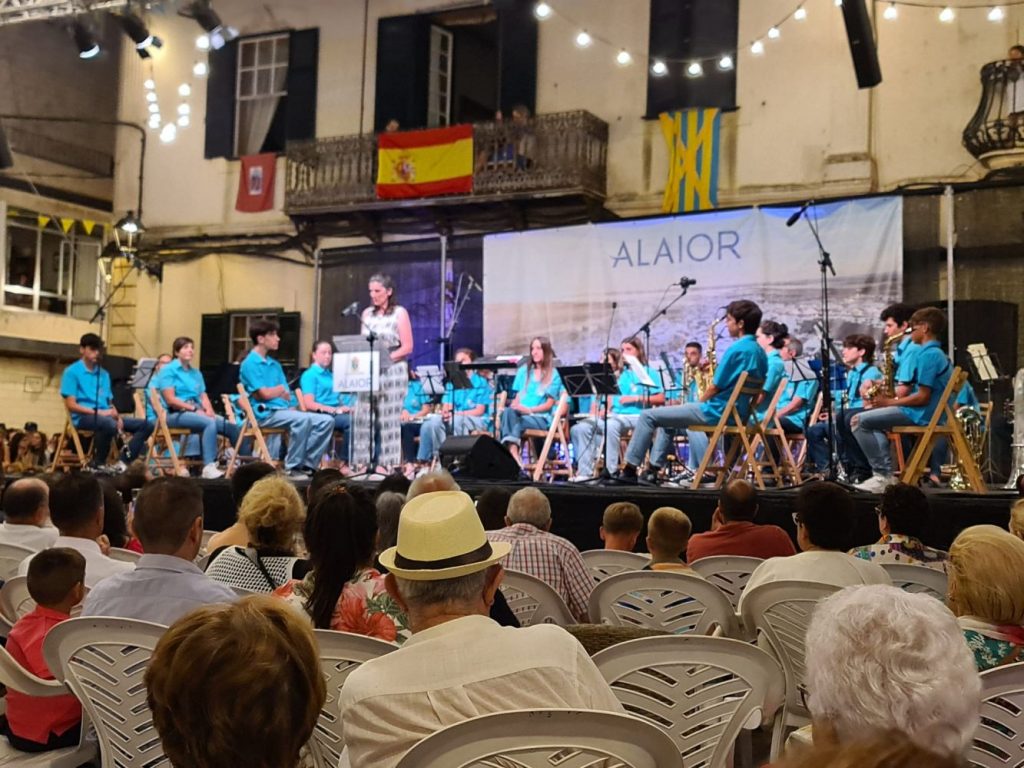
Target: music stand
x,y
459,379
597,380
987,371
142,373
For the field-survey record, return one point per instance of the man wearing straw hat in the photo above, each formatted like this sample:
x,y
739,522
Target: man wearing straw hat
x,y
458,663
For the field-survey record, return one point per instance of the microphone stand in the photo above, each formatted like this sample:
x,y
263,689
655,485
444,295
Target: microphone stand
x,y
605,474
825,265
446,340
645,329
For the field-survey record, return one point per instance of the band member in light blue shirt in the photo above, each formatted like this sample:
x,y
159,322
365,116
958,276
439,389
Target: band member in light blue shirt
x,y
800,395
537,386
771,336
317,385
309,434
664,439
464,409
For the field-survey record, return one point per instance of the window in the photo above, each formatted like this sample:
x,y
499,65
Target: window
x,y
260,88
440,84
224,339
48,270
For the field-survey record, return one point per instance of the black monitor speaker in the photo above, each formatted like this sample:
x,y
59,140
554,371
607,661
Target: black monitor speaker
x,y
480,457
862,43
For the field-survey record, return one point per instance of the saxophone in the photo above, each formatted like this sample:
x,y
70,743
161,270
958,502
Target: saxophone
x,y
704,374
886,387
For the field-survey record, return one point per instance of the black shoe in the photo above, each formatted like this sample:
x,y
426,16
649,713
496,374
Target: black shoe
x,y
625,476
650,476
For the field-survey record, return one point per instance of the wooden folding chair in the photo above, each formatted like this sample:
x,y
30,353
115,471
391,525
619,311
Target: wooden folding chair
x,y
769,431
926,436
70,453
167,444
250,429
733,425
540,465
800,438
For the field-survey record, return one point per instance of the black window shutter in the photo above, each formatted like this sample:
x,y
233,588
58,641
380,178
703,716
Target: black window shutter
x,y
403,55
214,339
288,352
517,42
220,101
303,65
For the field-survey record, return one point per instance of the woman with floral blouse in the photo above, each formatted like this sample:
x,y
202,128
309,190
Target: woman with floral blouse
x,y
343,591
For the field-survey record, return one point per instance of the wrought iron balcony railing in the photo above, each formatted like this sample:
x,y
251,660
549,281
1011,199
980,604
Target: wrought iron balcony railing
x,y
995,134
564,151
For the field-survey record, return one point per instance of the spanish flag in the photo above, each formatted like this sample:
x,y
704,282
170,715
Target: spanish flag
x,y
438,161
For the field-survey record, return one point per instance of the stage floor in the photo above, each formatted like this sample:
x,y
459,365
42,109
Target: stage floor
x,y
576,510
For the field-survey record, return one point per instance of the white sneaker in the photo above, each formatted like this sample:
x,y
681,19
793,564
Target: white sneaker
x,y
580,478
117,468
210,472
875,484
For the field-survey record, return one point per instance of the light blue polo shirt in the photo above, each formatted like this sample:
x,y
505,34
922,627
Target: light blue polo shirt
x,y
807,390
319,382
630,386
188,383
258,372
855,378
533,393
745,355
932,369
468,399
906,351
415,398
81,383
776,374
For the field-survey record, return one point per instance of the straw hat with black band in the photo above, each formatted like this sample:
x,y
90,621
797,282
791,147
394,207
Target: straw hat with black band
x,y
440,536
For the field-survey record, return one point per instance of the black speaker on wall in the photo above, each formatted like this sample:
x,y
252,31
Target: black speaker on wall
x,y
862,43
480,457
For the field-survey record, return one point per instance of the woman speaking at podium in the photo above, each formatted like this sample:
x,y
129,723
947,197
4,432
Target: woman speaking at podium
x,y
393,329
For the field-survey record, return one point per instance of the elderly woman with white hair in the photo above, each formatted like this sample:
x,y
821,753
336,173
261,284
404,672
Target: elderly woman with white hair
x,y
881,659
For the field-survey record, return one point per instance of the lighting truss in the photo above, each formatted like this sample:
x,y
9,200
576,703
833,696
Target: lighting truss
x,y
15,11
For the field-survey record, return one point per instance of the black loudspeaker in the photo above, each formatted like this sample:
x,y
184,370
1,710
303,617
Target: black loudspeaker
x,y
862,43
478,456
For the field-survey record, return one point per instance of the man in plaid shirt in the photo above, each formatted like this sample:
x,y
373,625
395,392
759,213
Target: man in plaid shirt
x,y
541,554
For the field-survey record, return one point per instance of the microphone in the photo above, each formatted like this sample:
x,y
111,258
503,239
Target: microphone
x,y
796,216
474,284
351,310
686,282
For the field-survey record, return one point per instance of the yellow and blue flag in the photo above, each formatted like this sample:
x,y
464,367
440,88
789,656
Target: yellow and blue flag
x,y
692,136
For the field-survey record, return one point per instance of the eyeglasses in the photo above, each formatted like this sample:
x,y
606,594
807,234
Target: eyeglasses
x,y
796,519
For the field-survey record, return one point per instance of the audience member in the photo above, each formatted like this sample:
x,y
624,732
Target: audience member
x,y
343,591
115,520
538,552
1017,519
165,584
986,593
902,516
890,749
879,658
320,480
668,531
236,684
824,526
26,506
396,482
458,663
621,525
272,513
430,482
244,478
734,532
492,506
38,724
76,508
389,507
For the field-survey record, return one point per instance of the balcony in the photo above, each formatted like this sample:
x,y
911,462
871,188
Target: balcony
x,y
558,177
995,134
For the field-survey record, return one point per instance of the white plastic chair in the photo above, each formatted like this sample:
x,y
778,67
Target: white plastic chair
x,y
15,677
546,737
672,602
534,601
702,691
124,555
15,602
729,573
207,535
781,611
603,563
11,556
340,653
103,661
918,579
999,740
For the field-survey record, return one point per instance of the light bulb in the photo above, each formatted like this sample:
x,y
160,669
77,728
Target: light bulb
x,y
659,68
800,14
153,109
757,48
542,10
583,39
149,84
183,121
892,12
694,69
774,33
725,63
623,58
154,121
947,15
184,89
150,96
203,42
200,69
839,3
168,133
184,109
996,14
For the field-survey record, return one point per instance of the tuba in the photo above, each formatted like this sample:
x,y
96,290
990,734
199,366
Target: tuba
x,y
887,385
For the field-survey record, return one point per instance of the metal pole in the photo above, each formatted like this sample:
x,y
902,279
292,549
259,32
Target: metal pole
x,y
444,293
316,296
950,280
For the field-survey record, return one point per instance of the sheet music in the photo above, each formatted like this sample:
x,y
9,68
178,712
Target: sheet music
x,y
642,377
983,363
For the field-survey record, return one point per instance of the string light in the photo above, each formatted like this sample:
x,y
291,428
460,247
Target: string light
x,y
153,109
757,48
623,58
150,96
659,68
203,42
184,89
542,11
774,33
996,14
583,39
154,120
839,3
200,69
184,109
725,63
694,69
800,14
149,85
168,133
946,15
183,121
891,13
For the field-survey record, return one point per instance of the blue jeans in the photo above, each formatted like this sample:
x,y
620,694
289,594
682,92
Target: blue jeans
x,y
667,417
207,428
586,441
434,431
309,436
850,453
105,429
869,429
513,423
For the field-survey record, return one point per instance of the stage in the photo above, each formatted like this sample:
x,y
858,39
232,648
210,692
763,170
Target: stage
x,y
576,510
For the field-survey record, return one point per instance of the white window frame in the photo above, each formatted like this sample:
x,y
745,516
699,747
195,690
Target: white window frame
x,y
255,69
239,346
439,89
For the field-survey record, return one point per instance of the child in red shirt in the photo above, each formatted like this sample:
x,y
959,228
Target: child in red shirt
x,y
37,724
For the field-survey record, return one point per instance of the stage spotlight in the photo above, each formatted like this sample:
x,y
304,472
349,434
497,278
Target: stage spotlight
x,y
207,18
88,48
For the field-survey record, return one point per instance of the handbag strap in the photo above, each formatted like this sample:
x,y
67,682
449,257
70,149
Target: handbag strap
x,y
254,558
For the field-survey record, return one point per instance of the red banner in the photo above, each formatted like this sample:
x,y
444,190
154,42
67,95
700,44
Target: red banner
x,y
256,183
